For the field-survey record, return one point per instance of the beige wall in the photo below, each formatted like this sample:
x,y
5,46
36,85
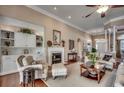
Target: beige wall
x,y
103,37
27,14
97,37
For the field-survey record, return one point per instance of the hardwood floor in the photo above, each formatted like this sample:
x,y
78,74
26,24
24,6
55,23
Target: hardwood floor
x,y
12,80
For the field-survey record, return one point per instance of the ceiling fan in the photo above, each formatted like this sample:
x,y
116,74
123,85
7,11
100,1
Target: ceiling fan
x,y
102,9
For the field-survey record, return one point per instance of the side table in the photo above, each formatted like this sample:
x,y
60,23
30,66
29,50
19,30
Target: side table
x,y
74,56
29,77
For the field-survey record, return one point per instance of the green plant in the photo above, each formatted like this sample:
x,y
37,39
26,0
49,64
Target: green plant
x,y
26,30
93,50
92,56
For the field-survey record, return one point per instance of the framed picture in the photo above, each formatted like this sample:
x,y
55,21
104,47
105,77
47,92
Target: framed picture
x,y
56,37
71,44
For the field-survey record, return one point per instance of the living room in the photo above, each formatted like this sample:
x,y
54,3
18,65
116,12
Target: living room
x,y
48,42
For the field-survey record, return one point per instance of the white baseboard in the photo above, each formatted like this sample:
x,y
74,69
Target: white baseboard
x,y
9,72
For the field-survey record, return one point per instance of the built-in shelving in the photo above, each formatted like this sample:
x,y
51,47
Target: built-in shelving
x,y
39,41
7,38
14,43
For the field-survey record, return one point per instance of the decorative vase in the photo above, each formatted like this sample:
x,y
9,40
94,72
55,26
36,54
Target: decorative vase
x,y
7,34
5,52
7,43
63,43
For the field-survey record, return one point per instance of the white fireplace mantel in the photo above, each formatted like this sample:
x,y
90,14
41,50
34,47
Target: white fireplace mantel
x,y
55,50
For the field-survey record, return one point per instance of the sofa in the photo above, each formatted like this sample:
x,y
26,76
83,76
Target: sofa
x,y
109,62
119,81
23,62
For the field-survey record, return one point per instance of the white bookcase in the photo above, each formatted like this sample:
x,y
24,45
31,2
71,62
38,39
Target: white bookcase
x,y
13,44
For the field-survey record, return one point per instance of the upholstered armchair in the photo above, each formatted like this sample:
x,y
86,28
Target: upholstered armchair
x,y
23,62
109,62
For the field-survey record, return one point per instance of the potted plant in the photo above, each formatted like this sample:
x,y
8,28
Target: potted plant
x,y
26,30
92,56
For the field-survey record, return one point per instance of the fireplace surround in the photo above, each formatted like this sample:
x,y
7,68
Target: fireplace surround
x,y
56,58
55,55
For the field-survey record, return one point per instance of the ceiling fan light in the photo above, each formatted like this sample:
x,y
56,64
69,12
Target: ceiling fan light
x,y
102,9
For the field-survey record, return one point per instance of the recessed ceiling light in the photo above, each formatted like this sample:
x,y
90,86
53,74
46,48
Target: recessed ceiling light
x,y
69,17
55,8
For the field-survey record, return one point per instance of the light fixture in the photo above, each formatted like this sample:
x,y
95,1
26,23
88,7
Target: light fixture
x,y
102,9
69,17
55,8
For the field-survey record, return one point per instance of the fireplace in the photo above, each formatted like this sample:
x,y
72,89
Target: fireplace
x,y
55,55
56,58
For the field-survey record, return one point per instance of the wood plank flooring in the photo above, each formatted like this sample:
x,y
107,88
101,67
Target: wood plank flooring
x,y
12,80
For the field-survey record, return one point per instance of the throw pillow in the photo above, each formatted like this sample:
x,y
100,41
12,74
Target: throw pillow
x,y
107,57
20,58
29,60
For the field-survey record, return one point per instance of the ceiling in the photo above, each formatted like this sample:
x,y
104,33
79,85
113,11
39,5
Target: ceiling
x,y
77,11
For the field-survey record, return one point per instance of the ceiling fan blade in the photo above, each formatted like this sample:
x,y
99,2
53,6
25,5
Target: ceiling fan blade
x,y
116,6
90,14
91,5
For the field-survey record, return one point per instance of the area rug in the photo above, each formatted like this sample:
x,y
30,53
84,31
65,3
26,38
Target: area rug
x,y
75,80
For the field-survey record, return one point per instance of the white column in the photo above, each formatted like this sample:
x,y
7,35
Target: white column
x,y
106,40
109,30
114,39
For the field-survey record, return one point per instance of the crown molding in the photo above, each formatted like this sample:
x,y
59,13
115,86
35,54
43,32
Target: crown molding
x,y
96,31
19,23
114,19
54,16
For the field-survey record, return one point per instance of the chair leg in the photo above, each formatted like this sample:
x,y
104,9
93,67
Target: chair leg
x,y
65,76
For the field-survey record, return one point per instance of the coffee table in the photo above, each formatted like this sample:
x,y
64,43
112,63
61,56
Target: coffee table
x,y
92,72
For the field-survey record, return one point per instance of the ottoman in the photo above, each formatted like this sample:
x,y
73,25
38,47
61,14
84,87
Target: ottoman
x,y
59,70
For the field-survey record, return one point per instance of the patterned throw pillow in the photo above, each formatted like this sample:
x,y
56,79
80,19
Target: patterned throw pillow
x,y
20,58
107,57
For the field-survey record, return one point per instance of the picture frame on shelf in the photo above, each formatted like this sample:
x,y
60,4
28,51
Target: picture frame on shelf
x,y
56,37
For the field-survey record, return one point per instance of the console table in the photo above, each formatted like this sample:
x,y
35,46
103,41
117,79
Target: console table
x,y
73,55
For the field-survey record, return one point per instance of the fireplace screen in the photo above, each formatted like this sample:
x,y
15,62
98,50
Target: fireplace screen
x,y
56,58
